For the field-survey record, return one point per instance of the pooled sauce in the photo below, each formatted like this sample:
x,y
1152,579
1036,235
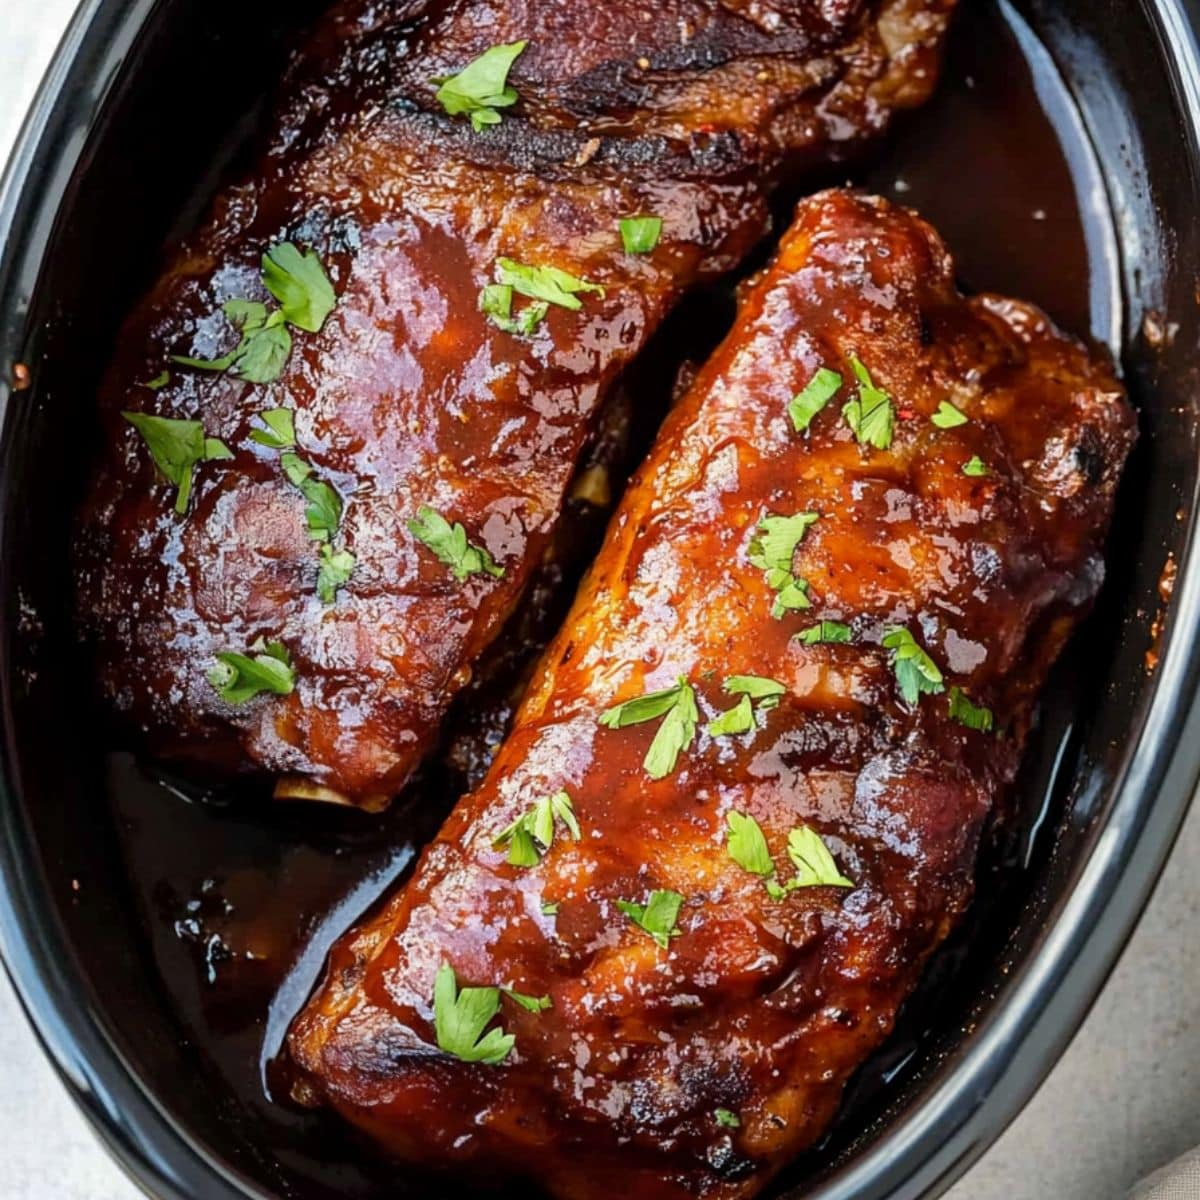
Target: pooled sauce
x,y
242,895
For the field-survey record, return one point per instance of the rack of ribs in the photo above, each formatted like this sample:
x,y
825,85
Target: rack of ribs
x,y
741,803
381,417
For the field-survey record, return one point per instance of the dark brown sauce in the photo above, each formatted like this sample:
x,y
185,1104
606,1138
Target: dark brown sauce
x,y
241,895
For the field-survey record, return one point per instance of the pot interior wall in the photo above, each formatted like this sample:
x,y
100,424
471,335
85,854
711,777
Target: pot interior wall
x,y
174,120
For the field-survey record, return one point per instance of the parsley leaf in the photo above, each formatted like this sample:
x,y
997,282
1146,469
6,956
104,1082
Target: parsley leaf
x,y
159,381
336,567
481,86
726,1119
824,631
298,281
533,1004
545,283
550,908
738,719
814,864
772,551
817,393
176,447
532,833
639,235
870,414
324,509
975,467
756,687
495,301
915,671
747,845
947,416
973,716
239,677
449,544
460,1017
677,706
657,916
280,432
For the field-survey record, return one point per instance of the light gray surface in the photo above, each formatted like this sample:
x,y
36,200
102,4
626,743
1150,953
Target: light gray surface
x,y
1124,1100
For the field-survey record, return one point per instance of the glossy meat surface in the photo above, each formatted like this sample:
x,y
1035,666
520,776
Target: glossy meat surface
x,y
409,396
760,1008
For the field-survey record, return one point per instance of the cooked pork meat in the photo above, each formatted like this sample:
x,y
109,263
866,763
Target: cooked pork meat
x,y
383,415
742,801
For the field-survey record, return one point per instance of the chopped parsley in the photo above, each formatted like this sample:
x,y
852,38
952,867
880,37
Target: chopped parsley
x,y
549,284
532,833
727,1119
550,908
176,447
870,414
460,1017
533,1004
240,677
677,706
334,571
772,550
825,632
280,432
639,235
817,393
324,509
481,87
298,281
735,720
495,302
916,672
948,417
450,546
747,844
158,382
973,716
657,916
814,864
975,467
752,689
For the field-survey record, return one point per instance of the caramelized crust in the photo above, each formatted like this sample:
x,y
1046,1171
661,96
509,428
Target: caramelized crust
x,y
688,109
761,1007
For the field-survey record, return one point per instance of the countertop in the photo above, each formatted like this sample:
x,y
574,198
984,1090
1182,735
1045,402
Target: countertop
x,y
1123,1100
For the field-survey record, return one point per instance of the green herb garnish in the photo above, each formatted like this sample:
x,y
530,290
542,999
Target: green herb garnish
x,y
747,844
495,301
639,235
450,546
772,550
532,833
550,908
657,916
481,87
947,416
324,509
240,677
176,447
916,672
280,432
677,706
298,281
460,1017
814,864
158,382
726,1119
533,1004
975,467
334,571
817,393
870,414
973,716
735,720
549,284
824,632
752,689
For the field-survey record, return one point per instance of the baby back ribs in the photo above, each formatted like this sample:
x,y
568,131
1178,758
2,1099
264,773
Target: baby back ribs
x,y
741,803
390,406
